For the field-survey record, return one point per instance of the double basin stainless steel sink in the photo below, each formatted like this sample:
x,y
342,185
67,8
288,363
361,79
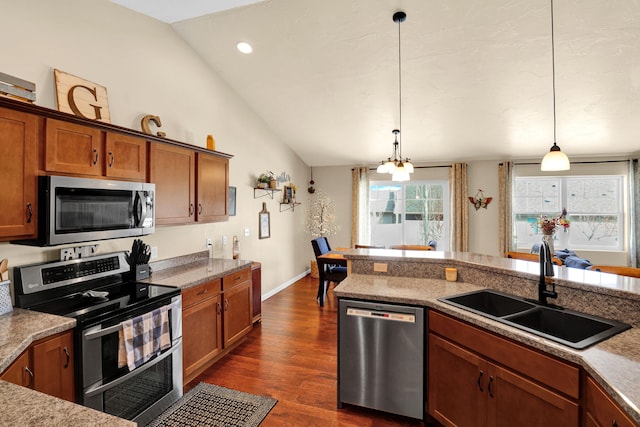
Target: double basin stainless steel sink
x,y
573,329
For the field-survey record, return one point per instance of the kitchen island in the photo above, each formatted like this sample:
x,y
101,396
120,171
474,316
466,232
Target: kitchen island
x,y
418,278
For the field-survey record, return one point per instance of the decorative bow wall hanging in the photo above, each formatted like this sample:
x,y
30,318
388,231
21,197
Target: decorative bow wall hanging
x,y
479,201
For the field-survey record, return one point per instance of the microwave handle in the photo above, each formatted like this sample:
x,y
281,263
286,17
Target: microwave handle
x,y
140,208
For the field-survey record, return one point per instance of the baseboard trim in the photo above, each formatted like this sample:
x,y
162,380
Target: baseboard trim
x,y
285,285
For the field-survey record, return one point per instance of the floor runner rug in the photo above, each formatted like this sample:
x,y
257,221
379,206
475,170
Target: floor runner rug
x,y
208,405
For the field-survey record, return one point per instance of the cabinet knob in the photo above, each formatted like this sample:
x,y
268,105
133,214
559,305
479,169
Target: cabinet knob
x,y
614,423
191,209
29,213
219,308
480,380
199,208
111,159
202,292
97,156
226,304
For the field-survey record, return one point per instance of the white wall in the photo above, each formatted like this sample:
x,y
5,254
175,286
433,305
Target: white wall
x,y
148,69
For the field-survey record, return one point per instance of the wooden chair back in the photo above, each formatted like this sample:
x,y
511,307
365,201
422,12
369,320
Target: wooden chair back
x,y
412,247
619,270
530,257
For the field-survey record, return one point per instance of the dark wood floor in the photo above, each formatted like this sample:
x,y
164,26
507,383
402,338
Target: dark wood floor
x,y
292,356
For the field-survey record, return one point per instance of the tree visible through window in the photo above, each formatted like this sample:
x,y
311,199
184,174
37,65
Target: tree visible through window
x,y
594,208
409,213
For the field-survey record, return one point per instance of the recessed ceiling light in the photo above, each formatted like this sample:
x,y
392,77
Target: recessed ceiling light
x,y
244,47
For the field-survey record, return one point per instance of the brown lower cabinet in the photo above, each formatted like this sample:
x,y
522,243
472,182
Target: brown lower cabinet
x,y
216,317
477,379
46,366
599,409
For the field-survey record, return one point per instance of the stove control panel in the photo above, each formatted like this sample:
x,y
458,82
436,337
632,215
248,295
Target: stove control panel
x,y
35,278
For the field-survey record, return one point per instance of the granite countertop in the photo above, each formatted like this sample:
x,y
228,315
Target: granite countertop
x,y
25,407
614,363
195,272
19,328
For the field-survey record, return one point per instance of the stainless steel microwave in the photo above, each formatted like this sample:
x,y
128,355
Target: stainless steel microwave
x,y
72,210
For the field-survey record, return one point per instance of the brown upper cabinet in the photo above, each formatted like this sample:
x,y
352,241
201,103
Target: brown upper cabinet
x,y
212,188
190,186
83,150
172,170
126,157
18,165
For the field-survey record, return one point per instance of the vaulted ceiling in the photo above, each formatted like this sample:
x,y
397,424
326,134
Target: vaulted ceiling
x,y
476,74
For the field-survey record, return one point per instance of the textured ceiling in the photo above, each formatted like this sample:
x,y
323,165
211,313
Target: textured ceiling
x,y
476,80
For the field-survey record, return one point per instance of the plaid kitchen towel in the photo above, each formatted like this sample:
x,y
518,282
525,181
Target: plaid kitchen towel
x,y
143,337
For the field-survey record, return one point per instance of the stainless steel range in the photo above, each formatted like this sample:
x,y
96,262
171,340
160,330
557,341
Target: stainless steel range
x,y
95,291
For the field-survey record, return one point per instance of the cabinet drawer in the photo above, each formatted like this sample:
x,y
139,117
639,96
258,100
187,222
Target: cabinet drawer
x,y
550,371
236,278
201,292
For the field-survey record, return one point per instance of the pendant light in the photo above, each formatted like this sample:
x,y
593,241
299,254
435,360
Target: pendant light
x,y
555,159
394,165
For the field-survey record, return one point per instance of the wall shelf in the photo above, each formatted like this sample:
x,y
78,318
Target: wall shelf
x,y
288,206
264,192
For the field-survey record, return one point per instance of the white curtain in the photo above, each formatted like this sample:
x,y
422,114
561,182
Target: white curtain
x,y
505,208
360,230
634,204
460,207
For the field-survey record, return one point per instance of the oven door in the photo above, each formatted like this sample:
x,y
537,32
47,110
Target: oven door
x,y
139,395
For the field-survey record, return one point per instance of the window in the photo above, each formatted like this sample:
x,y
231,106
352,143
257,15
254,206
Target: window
x,y
411,213
594,207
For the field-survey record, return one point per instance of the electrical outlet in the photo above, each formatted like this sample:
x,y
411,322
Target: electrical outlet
x,y
224,240
246,232
154,252
209,243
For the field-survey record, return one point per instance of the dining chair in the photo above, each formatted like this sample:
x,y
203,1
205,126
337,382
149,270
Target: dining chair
x,y
530,257
616,269
412,247
331,272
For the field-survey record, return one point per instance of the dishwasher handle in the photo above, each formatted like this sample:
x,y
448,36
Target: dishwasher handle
x,y
381,315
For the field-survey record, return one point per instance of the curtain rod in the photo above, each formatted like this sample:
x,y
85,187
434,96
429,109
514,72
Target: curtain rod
x,y
574,163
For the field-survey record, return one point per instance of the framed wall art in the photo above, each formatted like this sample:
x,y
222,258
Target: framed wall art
x,y
264,223
288,195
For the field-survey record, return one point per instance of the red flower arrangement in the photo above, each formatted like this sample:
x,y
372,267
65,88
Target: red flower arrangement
x,y
550,225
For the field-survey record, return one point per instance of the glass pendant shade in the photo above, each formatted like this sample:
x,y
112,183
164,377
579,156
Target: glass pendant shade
x,y
408,166
390,166
555,160
400,174
382,168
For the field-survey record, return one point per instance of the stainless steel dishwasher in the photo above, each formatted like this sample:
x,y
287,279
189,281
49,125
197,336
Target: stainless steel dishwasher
x,y
381,357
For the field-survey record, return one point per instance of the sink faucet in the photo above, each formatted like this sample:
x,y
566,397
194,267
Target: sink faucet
x,y
546,270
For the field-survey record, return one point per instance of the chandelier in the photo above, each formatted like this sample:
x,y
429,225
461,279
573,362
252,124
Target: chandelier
x,y
554,160
394,165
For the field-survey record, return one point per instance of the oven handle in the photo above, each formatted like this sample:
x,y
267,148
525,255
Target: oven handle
x,y
115,328
176,345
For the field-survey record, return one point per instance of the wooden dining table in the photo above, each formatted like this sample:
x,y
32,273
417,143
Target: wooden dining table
x,y
333,257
